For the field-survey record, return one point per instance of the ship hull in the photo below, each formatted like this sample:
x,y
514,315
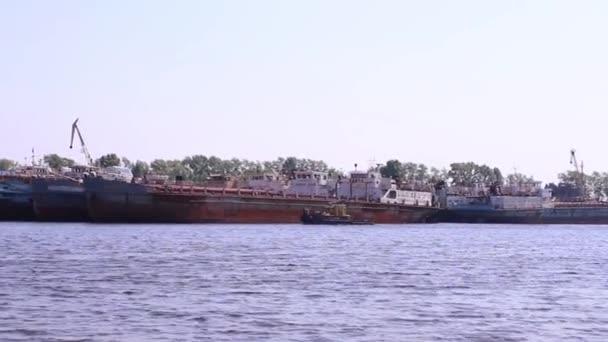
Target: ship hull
x,y
59,200
109,201
16,200
566,215
16,209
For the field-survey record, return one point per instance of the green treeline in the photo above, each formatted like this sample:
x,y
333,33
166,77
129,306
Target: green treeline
x,y
200,167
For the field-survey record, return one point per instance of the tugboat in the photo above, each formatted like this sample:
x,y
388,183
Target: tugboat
x,y
333,214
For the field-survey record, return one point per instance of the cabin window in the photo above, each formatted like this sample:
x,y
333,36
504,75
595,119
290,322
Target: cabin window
x,y
392,194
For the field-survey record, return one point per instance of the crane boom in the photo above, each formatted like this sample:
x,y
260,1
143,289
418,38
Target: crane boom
x,y
85,151
573,160
580,175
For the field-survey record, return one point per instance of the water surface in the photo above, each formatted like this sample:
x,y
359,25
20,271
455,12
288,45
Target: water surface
x,y
84,282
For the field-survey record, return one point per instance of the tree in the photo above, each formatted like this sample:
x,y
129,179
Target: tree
x,y
127,163
7,164
108,160
392,169
333,172
177,168
56,162
172,168
140,169
407,173
498,178
469,174
289,166
463,174
437,175
519,178
597,185
199,165
160,166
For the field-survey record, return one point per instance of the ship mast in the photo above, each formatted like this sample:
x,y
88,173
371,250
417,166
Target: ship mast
x,y
85,151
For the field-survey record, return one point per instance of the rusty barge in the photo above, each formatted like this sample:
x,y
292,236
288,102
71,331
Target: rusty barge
x,y
114,201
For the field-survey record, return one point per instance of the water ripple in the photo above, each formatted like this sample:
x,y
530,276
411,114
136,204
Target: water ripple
x,y
79,282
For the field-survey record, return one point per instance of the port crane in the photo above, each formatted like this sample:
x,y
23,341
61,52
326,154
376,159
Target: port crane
x,y
580,176
85,151
574,161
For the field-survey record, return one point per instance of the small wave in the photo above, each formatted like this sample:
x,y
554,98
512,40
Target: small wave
x,y
244,293
465,316
415,320
26,332
537,309
168,314
200,319
456,287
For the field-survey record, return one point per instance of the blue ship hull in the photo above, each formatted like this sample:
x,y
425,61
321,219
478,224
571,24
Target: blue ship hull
x,y
562,215
60,200
16,200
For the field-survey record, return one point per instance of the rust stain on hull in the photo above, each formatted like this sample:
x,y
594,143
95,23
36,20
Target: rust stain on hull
x,y
113,203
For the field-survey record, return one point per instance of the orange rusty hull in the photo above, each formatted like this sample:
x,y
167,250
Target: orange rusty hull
x,y
109,201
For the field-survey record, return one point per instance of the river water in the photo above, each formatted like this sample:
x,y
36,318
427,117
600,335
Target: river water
x,y
83,282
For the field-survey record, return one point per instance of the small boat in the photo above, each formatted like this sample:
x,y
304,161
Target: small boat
x,y
333,214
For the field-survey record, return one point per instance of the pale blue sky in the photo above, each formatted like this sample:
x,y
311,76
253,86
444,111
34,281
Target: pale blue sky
x,y
508,83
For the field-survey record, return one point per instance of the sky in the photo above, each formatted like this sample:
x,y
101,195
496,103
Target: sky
x,y
512,84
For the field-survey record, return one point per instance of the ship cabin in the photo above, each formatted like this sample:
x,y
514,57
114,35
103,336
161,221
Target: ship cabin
x,y
221,181
266,182
511,196
82,171
308,183
364,185
154,178
117,173
33,171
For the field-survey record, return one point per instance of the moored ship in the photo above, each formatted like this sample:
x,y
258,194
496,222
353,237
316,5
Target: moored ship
x,y
533,205
59,199
16,192
62,197
15,198
111,201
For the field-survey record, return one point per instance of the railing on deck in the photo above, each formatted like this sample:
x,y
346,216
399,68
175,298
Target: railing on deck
x,y
197,190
